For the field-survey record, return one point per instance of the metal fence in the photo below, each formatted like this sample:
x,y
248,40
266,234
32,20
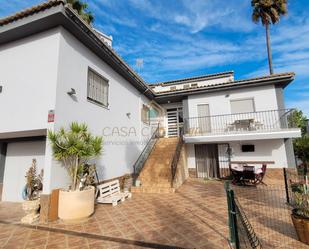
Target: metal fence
x,y
293,178
261,121
242,234
260,217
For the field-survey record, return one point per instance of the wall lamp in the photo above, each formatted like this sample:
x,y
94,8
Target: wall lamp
x,y
72,92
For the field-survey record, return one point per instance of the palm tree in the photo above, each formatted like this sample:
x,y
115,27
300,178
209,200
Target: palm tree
x,y
75,147
81,8
269,12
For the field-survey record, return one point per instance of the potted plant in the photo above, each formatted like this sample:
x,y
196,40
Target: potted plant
x,y
74,148
300,213
31,194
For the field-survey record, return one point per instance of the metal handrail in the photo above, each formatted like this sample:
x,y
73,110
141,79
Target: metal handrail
x,y
177,155
139,163
286,111
240,122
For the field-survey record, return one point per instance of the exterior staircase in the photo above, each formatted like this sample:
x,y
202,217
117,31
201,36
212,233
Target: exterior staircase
x,y
156,175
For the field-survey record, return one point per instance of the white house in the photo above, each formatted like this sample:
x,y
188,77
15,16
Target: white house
x,y
55,69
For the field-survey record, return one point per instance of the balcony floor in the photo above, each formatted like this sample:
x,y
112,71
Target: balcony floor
x,y
242,136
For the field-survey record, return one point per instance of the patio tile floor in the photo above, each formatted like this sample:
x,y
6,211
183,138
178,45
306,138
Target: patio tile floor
x,y
194,217
181,220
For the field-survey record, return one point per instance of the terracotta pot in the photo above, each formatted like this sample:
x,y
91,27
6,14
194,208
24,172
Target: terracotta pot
x,y
74,205
302,228
31,209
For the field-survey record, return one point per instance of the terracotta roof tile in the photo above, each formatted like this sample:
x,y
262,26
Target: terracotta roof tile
x,y
251,80
192,78
30,11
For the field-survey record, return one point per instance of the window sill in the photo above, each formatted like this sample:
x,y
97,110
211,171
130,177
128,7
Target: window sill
x,y
146,123
98,104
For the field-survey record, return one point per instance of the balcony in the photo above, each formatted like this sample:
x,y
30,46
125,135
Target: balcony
x,y
270,124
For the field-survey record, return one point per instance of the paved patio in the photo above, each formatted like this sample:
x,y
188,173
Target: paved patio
x,y
194,217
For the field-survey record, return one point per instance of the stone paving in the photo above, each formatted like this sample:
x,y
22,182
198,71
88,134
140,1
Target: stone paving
x,y
194,217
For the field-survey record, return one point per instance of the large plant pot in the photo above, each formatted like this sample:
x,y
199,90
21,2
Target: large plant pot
x,y
302,228
74,205
31,209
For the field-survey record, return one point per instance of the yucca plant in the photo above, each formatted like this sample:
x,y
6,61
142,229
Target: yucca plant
x,y
302,202
74,148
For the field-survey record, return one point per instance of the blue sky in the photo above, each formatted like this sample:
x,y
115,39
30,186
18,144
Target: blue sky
x,y
184,38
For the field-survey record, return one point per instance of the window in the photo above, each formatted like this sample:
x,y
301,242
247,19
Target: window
x,y
145,114
242,105
194,85
97,90
173,88
186,86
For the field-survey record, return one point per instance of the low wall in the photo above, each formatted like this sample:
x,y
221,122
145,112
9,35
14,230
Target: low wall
x,y
182,172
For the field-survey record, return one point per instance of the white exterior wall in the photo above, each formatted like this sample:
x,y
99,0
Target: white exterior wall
x,y
265,150
265,98
28,74
206,82
18,161
121,147
219,102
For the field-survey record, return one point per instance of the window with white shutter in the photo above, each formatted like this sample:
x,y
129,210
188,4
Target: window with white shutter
x,y
242,105
97,90
145,114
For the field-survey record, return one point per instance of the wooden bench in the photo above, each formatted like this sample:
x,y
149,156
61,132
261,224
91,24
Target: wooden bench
x,y
109,193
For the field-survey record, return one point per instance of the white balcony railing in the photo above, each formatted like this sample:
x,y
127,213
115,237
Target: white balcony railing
x,y
250,122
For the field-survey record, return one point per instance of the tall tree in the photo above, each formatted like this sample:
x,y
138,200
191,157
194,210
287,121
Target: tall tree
x,y
269,12
82,10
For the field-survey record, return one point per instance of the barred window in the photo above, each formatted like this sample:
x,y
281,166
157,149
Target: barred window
x,y
97,90
145,114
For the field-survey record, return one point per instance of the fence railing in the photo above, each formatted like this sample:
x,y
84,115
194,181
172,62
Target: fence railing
x,y
139,163
242,234
294,178
261,121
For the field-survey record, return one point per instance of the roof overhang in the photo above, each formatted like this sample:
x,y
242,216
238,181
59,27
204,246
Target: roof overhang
x,y
63,15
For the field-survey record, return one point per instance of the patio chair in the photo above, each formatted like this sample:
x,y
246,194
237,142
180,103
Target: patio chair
x,y
109,193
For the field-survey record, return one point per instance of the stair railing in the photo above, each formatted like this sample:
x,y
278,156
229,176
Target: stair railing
x,y
139,163
177,155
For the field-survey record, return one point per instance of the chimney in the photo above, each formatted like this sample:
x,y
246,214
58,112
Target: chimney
x,y
108,39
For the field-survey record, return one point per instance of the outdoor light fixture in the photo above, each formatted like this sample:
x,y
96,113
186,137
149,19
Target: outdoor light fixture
x,y
128,114
0,89
72,92
227,95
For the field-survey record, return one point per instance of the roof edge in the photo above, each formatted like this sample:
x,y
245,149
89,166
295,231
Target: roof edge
x,y
278,79
30,11
195,78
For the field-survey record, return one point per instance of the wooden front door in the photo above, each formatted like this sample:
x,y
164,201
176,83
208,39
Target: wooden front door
x,y
207,163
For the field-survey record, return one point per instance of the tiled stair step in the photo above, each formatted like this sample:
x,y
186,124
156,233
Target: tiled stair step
x,y
155,180
156,185
152,171
156,174
158,163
